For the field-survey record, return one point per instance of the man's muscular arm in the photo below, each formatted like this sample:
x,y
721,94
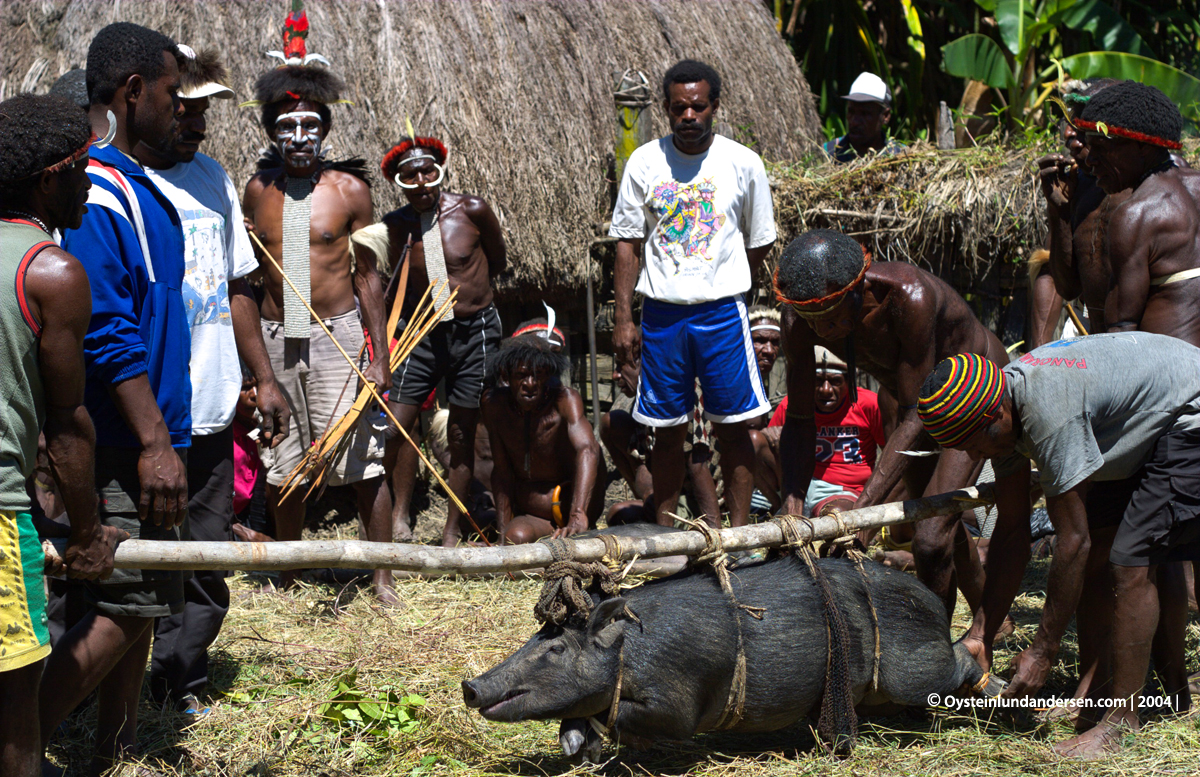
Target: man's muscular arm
x,y
247,334
1069,517
1009,554
503,478
627,340
1132,238
1058,187
56,285
491,236
587,458
756,257
917,360
1045,308
369,289
798,438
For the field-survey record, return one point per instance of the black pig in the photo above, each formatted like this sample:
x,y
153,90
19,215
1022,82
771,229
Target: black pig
x,y
677,642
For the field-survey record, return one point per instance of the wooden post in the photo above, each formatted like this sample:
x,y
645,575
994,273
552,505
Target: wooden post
x,y
591,332
431,560
945,127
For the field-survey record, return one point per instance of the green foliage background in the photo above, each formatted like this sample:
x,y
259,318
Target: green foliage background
x,y
902,41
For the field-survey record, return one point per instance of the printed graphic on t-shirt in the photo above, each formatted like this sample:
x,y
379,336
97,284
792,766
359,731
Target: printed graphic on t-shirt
x,y
841,442
205,294
687,220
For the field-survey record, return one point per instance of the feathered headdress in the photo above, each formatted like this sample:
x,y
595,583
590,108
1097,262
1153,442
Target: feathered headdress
x,y
297,78
391,160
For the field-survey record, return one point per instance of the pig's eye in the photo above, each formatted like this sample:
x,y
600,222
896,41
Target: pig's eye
x,y
557,649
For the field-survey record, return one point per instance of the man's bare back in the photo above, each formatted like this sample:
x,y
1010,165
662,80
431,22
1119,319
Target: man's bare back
x,y
1155,234
469,231
909,318
341,204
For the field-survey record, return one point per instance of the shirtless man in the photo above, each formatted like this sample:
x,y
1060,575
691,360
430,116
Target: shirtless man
x,y
546,458
470,253
327,202
1138,227
1154,256
896,321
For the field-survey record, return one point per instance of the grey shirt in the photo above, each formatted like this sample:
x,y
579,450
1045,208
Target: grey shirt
x,y
1093,407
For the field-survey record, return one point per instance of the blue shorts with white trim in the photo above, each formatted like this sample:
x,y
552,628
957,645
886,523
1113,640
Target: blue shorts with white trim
x,y
709,341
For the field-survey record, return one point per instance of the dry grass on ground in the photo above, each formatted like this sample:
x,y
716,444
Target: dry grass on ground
x,y
280,659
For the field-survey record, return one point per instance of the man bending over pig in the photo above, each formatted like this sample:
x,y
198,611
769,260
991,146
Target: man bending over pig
x,y
545,456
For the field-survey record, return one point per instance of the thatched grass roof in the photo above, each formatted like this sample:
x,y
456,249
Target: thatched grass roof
x,y
938,209
521,90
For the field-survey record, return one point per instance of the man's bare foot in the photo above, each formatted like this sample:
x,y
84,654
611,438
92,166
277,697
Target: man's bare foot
x,y
1096,742
1059,712
401,531
384,588
246,534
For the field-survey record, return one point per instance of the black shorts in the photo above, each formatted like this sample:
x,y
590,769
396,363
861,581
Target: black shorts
x,y
456,350
143,593
1157,510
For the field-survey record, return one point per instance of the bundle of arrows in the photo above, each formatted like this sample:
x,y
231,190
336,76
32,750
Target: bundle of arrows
x,y
324,454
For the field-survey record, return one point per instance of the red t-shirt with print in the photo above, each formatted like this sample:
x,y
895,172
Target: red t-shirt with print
x,y
847,440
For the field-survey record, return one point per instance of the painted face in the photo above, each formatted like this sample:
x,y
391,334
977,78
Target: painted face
x,y
832,390
298,135
766,338
690,112
527,387
420,177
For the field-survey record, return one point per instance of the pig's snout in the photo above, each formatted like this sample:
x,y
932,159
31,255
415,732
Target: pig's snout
x,y
470,695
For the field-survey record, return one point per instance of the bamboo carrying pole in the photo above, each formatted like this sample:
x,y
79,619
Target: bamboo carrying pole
x,y
431,560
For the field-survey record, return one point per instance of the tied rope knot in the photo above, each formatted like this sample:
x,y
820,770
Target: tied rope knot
x,y
566,590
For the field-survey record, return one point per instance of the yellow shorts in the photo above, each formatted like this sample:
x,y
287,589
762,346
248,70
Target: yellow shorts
x,y
24,638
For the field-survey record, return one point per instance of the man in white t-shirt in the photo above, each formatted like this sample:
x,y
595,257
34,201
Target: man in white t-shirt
x,y
223,319
697,207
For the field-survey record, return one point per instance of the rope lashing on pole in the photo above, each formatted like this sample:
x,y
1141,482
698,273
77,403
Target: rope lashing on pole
x,y
430,560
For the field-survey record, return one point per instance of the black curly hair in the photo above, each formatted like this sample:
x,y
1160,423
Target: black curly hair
x,y
818,262
36,132
123,49
73,86
691,71
526,351
285,85
1134,106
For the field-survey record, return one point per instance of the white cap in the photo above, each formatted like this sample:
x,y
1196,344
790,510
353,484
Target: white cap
x,y
827,361
869,87
211,89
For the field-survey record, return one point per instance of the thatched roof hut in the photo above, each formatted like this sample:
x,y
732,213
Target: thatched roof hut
x,y
520,90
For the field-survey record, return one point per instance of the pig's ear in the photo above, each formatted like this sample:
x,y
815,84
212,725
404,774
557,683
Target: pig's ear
x,y
606,625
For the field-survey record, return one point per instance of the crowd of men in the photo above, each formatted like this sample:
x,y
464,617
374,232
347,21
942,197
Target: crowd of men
x,y
162,382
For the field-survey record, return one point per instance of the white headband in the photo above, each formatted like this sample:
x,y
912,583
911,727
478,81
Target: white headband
x,y
769,327
831,368
415,157
298,115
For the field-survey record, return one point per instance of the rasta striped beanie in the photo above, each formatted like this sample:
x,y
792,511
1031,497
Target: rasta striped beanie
x,y
959,398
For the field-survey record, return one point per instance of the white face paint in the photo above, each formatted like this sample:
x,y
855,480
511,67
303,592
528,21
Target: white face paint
x,y
295,130
399,177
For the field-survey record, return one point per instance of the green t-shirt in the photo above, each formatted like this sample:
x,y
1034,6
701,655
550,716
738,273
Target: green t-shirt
x,y
1093,407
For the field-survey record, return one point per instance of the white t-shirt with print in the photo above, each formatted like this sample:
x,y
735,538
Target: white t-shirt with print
x,y
697,214
217,251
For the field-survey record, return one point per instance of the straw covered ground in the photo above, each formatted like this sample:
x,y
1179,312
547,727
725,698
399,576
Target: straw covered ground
x,y
289,673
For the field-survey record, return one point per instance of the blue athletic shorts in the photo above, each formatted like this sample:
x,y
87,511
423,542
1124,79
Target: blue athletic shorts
x,y
709,341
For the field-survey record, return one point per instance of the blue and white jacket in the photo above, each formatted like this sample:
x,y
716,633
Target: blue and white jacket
x,y
131,244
